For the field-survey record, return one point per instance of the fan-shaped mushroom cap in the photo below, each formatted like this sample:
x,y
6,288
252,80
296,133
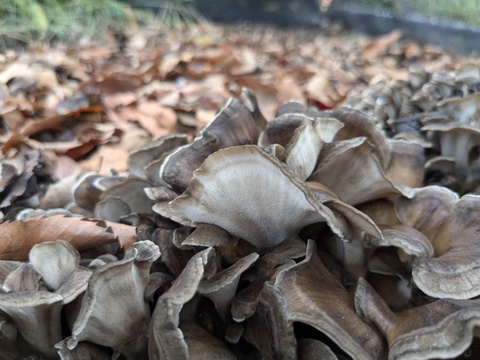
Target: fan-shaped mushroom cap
x,y
166,340
63,259
85,193
222,287
407,164
358,124
114,311
207,235
426,212
234,125
140,157
411,241
36,315
112,209
160,193
462,143
280,129
6,267
460,108
23,278
307,141
252,195
352,171
444,240
308,293
381,211
131,192
440,329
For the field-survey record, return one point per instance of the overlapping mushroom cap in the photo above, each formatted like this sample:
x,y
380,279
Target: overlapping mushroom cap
x,y
441,231
438,111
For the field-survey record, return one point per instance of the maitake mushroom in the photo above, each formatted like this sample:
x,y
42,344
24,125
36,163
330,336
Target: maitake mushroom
x,y
309,236
438,111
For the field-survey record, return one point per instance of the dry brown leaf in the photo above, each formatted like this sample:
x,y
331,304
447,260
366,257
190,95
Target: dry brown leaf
x,y
18,237
378,46
56,122
157,119
115,100
114,155
204,117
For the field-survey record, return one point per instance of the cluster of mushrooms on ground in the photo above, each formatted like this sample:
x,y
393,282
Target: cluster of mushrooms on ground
x,y
336,234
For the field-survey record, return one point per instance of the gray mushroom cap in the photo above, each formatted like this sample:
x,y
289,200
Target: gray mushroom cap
x,y
121,326
259,184
234,125
62,257
440,329
166,340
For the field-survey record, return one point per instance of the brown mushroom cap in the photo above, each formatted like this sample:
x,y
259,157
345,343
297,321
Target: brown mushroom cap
x,y
314,297
411,241
203,345
280,129
358,124
207,235
407,164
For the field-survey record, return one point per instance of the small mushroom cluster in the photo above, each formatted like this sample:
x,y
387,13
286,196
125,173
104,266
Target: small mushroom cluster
x,y
308,236
440,112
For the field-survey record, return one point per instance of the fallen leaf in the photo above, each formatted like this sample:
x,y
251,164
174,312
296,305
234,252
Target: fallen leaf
x,y
378,46
18,236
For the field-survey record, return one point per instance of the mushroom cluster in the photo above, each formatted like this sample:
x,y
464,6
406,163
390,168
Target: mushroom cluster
x,y
437,110
308,236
